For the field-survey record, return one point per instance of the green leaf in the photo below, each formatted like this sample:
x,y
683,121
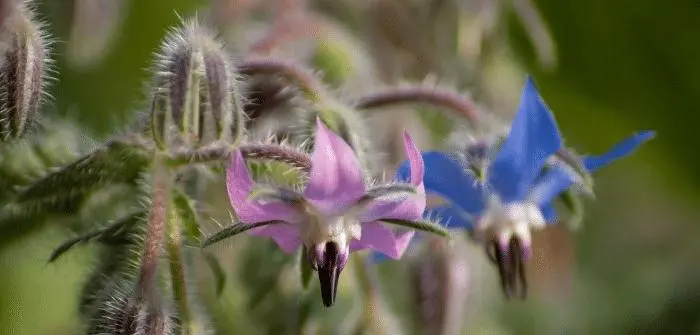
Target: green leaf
x,y
576,164
112,234
218,271
116,162
188,216
305,270
387,190
235,229
422,225
276,194
575,206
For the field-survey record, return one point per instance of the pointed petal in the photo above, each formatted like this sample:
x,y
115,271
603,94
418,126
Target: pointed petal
x,y
336,176
415,160
381,238
410,207
533,138
450,217
285,235
239,185
552,183
622,149
446,177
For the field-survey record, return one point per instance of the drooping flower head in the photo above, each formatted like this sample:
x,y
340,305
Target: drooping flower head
x,y
514,193
336,213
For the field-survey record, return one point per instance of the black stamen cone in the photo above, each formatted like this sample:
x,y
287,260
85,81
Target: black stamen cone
x,y
329,273
519,263
511,268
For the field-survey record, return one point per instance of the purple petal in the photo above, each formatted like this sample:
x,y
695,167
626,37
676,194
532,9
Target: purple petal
x,y
415,159
284,234
381,238
410,208
239,185
622,149
336,178
533,138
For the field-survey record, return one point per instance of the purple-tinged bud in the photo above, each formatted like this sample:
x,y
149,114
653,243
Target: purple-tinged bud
x,y
440,277
23,60
121,311
195,98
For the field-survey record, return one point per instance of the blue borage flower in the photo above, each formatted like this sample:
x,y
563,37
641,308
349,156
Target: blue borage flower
x,y
514,193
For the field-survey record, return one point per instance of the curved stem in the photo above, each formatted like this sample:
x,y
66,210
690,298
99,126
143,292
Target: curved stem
x,y
310,86
274,152
433,96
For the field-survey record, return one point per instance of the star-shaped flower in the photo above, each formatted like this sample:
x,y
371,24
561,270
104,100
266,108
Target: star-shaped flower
x,y
515,193
336,213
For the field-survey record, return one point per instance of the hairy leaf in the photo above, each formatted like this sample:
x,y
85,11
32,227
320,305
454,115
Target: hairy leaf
x,y
188,217
575,206
233,230
422,225
112,234
116,162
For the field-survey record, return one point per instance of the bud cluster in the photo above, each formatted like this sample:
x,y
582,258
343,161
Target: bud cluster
x,y
195,101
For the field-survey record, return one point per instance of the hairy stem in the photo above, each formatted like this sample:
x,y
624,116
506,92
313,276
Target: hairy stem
x,y
309,85
177,272
155,234
274,152
432,96
364,276
373,317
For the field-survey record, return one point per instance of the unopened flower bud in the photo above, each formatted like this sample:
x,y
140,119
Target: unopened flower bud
x,y
23,58
195,100
121,311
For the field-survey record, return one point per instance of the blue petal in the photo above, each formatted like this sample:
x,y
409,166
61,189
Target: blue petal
x,y
622,149
552,183
378,257
549,213
450,217
533,138
446,177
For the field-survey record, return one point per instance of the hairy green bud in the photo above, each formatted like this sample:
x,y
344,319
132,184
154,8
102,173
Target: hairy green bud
x,y
195,101
23,59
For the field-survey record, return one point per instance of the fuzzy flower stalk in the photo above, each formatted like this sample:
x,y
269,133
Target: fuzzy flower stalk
x,y
336,213
514,191
23,66
195,100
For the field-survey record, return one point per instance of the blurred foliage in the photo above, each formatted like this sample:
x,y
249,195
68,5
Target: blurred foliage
x,y
620,66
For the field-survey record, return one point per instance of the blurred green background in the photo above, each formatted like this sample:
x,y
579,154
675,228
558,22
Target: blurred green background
x,y
616,67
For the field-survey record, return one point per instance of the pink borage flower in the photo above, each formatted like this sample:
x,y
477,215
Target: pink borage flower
x,y
336,213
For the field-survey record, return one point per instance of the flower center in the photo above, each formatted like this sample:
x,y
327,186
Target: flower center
x,y
506,229
327,239
502,222
339,229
